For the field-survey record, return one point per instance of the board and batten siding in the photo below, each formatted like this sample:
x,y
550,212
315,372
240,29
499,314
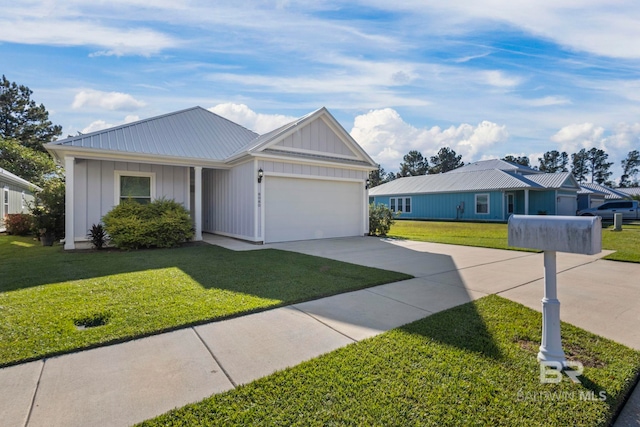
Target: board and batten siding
x,y
228,201
316,136
443,206
18,197
94,188
542,202
311,171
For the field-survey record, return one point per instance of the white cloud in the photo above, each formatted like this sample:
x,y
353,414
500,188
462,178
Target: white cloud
x,y
257,122
387,137
547,101
106,100
576,136
101,124
500,79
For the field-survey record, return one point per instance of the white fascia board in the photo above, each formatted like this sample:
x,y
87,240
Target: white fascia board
x,y
60,151
312,162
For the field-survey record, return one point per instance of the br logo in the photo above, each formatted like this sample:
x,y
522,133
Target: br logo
x,y
551,372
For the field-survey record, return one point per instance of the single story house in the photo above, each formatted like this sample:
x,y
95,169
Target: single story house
x,y
592,195
304,180
16,194
489,190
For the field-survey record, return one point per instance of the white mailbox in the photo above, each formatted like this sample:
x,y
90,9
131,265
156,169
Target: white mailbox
x,y
574,234
551,234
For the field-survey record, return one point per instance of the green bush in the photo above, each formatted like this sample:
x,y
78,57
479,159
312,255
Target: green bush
x,y
162,223
18,224
381,218
48,208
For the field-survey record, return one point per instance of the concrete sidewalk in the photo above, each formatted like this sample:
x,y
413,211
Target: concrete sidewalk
x,y
126,383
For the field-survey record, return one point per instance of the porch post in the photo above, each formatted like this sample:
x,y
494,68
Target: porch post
x,y
69,232
198,202
526,201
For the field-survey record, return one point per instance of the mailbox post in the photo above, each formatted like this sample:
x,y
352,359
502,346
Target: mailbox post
x,y
551,234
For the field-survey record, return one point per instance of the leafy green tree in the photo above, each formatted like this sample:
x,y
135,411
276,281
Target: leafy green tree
x,y
519,160
34,166
598,165
22,119
630,169
48,208
553,161
414,164
579,165
445,161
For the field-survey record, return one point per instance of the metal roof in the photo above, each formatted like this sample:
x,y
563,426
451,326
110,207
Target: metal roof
x,y
482,180
554,180
192,133
632,191
16,179
495,164
610,193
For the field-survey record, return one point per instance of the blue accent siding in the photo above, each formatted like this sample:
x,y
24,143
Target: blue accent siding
x,y
542,201
443,206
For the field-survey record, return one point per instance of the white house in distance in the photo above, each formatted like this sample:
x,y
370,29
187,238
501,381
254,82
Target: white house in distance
x,y
15,196
304,180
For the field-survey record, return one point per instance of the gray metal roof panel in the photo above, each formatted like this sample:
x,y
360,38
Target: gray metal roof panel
x,y
551,180
632,191
194,133
610,193
482,180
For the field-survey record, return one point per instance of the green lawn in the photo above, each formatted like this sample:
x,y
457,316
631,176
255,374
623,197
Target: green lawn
x,y
46,292
471,365
489,235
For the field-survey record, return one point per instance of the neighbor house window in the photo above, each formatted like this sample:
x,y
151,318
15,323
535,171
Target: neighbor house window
x,y
137,186
400,204
482,203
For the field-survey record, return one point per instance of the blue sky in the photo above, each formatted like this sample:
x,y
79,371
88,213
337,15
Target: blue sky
x,y
486,78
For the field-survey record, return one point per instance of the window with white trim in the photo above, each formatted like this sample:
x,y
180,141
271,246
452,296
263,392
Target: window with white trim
x,y
139,187
482,203
400,204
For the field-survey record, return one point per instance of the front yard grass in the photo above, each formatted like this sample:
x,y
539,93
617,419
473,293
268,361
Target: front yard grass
x,y
474,364
53,301
490,235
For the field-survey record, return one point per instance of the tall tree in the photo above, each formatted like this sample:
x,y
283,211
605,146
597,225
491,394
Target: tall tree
x,y
445,160
32,165
519,160
377,177
553,161
22,119
414,164
579,167
630,169
598,165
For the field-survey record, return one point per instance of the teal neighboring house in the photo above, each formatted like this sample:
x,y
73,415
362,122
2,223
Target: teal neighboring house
x,y
489,190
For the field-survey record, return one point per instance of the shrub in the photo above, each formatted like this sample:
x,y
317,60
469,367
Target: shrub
x,y
162,223
381,218
18,224
98,236
48,209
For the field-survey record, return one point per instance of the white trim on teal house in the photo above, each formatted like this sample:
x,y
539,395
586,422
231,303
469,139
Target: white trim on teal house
x,y
261,188
15,195
481,192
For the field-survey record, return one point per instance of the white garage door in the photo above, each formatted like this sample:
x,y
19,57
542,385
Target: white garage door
x,y
302,209
567,206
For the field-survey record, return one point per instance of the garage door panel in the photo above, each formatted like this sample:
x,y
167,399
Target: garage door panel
x,y
301,209
567,205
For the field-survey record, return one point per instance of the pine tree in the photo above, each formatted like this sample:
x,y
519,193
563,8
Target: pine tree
x,y
579,167
553,161
445,161
630,168
598,165
22,119
519,160
414,164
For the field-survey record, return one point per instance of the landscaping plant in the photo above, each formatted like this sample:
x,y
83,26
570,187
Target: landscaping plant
x,y
18,224
381,218
162,223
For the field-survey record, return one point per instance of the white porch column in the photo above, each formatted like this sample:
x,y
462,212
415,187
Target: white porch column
x,y
198,202
69,232
526,201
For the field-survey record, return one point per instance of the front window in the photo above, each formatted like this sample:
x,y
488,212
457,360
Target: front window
x,y
482,203
136,186
402,204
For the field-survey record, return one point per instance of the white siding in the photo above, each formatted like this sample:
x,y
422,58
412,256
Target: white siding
x,y
228,201
94,188
16,204
316,136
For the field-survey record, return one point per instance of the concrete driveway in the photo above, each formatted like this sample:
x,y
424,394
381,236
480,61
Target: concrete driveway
x,y
126,383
